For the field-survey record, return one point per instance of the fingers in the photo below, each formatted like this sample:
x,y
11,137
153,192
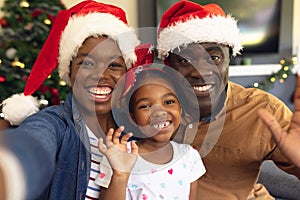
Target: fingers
x,y
296,117
272,124
114,137
260,192
134,147
125,137
117,134
101,146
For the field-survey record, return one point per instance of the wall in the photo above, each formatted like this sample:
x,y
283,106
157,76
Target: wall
x,y
130,6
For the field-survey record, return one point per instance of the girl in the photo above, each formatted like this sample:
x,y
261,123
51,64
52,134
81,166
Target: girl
x,y
163,169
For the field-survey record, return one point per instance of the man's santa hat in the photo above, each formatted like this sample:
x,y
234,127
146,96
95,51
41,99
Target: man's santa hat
x,y
186,22
69,30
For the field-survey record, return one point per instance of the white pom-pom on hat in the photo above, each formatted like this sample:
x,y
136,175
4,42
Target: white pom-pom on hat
x,y
68,32
18,107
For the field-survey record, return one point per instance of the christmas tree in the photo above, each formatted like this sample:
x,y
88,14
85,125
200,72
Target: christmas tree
x,y
24,28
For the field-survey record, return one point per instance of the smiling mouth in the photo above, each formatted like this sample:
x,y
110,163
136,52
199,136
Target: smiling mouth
x,y
160,125
203,88
100,92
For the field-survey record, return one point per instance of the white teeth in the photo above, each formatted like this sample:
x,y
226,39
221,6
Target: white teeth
x,y
202,88
100,91
161,125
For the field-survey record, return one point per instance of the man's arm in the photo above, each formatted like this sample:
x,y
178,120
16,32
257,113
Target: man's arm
x,y
287,141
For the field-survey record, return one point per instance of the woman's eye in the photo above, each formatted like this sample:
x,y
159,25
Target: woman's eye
x,y
87,63
115,64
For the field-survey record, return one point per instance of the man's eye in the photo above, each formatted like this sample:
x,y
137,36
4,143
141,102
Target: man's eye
x,y
185,60
214,59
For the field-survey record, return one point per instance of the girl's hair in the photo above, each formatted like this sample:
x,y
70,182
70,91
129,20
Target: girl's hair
x,y
150,74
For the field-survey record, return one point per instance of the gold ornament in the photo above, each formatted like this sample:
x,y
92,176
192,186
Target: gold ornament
x,y
24,4
17,63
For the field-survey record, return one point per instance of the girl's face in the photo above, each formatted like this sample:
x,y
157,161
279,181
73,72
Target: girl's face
x,y
156,109
95,70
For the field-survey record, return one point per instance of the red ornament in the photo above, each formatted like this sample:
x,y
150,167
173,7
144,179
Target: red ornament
x,y
2,79
24,78
43,89
37,12
3,23
51,18
54,96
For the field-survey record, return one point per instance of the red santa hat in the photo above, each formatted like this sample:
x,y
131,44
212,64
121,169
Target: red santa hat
x,y
69,30
186,22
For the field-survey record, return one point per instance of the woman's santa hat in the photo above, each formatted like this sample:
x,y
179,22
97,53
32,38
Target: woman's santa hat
x,y
186,22
69,30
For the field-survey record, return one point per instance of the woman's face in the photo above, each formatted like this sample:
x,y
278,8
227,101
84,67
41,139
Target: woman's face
x,y
95,70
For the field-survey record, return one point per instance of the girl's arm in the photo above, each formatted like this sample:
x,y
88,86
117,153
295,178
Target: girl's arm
x,y
121,161
117,187
194,190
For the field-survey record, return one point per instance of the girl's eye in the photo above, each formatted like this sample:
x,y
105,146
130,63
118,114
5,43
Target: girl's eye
x,y
145,106
170,101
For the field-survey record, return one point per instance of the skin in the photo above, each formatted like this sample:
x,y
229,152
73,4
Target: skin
x,y
199,69
96,68
4,124
154,108
2,186
158,145
287,141
205,66
156,148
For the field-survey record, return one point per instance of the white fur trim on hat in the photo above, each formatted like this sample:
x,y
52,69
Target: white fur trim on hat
x,y
18,107
94,24
215,29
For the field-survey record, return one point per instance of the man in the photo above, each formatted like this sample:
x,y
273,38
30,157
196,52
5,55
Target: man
x,y
198,41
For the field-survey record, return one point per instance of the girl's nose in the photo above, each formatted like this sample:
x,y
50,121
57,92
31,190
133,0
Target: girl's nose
x,y
157,112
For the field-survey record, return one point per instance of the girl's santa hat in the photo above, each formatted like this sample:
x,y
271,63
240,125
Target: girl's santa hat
x,y
69,30
187,22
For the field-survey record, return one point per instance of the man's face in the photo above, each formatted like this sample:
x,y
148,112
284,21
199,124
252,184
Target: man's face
x,y
205,66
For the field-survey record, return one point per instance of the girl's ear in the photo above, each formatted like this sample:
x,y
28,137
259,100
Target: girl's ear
x,y
132,117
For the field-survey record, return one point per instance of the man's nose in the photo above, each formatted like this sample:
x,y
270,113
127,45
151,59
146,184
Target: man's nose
x,y
201,69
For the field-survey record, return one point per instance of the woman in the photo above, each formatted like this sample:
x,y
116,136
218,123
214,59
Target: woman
x,y
53,151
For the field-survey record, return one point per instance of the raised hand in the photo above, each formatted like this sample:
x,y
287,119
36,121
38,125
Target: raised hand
x,y
119,156
287,141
